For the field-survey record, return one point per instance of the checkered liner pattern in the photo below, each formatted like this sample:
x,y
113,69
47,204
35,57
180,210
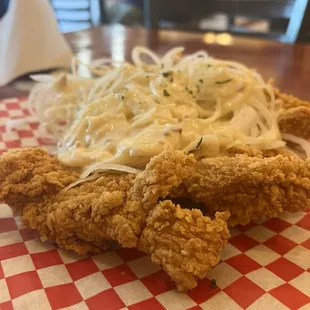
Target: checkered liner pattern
x,y
265,265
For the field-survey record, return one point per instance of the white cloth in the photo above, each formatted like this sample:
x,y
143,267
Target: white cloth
x,y
30,40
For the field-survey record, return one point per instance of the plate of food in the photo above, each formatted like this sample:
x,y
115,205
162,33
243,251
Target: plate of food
x,y
187,162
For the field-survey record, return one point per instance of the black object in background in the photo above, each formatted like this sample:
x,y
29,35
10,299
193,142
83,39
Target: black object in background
x,y
4,4
293,11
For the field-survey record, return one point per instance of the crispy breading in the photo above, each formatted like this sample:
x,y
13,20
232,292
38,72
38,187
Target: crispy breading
x,y
296,121
295,115
250,187
116,207
30,172
125,208
253,152
184,242
289,101
85,217
161,175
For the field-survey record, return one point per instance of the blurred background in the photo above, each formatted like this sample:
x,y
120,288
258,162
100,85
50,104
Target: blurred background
x,y
273,20
283,20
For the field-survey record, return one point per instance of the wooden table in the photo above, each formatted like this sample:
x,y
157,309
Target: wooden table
x,y
289,65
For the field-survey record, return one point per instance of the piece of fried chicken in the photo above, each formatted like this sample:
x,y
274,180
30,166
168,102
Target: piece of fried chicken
x,y
250,187
295,117
296,121
186,243
125,207
29,173
115,207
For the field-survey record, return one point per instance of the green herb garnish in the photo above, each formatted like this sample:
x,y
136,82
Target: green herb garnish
x,y
122,97
166,74
165,92
189,91
223,82
201,81
199,143
213,283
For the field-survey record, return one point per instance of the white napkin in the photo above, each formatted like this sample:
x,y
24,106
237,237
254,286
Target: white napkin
x,y
30,40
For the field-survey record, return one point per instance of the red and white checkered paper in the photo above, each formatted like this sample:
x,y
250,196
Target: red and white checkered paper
x,y
265,265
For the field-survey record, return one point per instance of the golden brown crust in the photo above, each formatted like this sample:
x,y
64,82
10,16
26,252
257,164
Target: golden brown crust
x,y
248,186
253,152
289,101
81,218
184,242
115,207
30,172
296,121
125,208
295,117
251,187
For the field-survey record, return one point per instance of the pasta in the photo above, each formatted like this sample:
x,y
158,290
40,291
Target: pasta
x,y
133,112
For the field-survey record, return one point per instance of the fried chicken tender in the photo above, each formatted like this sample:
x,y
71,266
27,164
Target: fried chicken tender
x,y
296,121
124,207
83,218
161,175
121,207
184,241
295,117
30,172
250,187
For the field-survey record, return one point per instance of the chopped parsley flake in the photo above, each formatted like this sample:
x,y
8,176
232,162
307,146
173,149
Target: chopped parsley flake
x,y
166,93
223,82
189,91
199,143
201,81
122,97
166,74
213,283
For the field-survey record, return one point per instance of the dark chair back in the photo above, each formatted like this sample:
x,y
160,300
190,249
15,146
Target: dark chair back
x,y
291,11
304,33
4,5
